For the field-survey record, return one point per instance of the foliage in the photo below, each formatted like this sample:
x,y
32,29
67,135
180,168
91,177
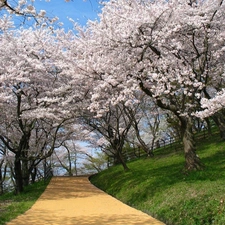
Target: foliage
x,y
13,205
171,52
95,163
149,46
157,186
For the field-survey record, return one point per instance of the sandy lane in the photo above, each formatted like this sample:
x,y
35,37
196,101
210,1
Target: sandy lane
x,y
75,201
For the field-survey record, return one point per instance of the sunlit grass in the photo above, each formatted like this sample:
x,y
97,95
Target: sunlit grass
x,y
158,186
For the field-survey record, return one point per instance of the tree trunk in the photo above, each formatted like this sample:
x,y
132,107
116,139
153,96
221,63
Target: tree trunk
x,y
75,166
218,118
2,176
220,122
122,161
1,184
1,188
33,174
18,175
192,161
142,143
117,146
208,126
70,174
25,172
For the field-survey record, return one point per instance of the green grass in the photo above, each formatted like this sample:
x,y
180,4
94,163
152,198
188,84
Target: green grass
x,y
158,187
13,205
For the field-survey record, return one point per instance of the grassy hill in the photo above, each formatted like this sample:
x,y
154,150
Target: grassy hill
x,y
158,186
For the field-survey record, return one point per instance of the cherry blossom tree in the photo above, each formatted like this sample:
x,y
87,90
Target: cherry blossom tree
x,y
49,77
37,98
171,50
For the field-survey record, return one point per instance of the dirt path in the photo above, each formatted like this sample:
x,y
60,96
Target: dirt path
x,y
75,201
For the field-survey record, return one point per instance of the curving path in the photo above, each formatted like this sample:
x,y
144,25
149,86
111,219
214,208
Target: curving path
x,y
75,201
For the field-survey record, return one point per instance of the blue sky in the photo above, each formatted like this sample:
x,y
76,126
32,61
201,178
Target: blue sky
x,y
79,10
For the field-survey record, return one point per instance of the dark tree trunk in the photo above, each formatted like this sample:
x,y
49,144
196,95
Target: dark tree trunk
x,y
208,126
192,161
75,166
1,188
219,119
2,176
117,146
121,158
25,172
33,174
18,175
1,184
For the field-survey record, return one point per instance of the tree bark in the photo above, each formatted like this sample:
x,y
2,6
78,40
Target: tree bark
x,y
18,175
192,161
117,145
122,161
25,172
142,143
208,126
2,175
1,183
33,174
220,122
131,115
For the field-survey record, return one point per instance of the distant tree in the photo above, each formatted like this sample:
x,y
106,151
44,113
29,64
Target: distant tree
x,y
67,157
96,163
146,124
114,126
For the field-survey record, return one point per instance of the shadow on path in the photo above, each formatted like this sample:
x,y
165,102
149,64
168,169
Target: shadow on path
x,y
75,201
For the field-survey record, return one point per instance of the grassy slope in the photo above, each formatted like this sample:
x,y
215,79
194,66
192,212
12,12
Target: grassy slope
x,y
157,186
13,205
